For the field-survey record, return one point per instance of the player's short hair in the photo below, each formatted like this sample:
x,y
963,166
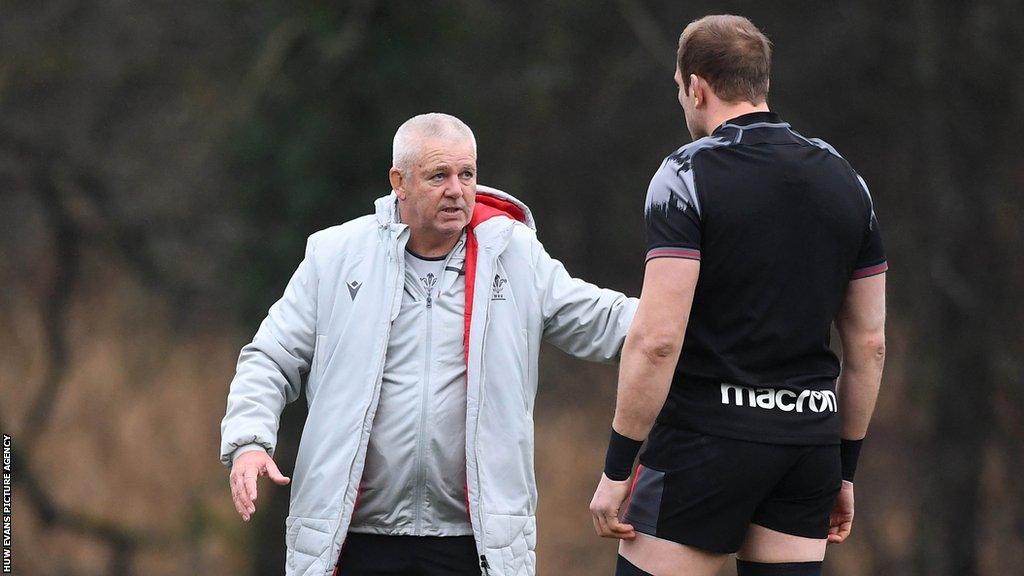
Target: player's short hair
x,y
432,125
730,53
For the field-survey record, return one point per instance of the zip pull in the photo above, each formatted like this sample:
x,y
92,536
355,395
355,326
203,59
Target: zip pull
x,y
484,565
430,300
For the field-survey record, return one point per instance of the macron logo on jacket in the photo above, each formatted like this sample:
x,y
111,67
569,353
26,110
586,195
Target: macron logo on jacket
x,y
353,288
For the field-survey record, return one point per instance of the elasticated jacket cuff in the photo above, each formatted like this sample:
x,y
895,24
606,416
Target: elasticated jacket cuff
x,y
243,449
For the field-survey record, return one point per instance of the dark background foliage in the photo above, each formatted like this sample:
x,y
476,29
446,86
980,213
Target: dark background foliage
x,y
161,164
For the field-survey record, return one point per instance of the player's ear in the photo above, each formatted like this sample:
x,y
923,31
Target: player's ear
x,y
697,90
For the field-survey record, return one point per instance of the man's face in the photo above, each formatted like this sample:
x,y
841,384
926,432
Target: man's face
x,y
686,100
437,194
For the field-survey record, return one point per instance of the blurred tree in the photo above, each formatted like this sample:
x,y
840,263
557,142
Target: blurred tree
x,y
195,145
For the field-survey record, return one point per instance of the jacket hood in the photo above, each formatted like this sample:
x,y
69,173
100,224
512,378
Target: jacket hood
x,y
490,202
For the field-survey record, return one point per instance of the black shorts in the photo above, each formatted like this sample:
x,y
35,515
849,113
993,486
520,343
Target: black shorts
x,y
704,491
374,555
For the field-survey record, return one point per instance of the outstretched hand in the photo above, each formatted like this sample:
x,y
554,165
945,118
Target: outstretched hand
x,y
606,507
244,471
840,521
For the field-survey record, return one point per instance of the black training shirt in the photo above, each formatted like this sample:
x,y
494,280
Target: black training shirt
x,y
780,224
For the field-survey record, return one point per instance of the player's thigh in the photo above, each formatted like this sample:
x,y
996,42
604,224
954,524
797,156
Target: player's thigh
x,y
791,524
774,547
700,490
666,558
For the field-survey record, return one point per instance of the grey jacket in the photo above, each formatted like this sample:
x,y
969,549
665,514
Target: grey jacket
x,y
329,332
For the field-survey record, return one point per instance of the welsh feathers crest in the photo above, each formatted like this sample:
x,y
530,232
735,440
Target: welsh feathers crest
x,y
498,287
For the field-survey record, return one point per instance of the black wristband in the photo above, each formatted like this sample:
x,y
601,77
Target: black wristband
x,y
849,451
622,451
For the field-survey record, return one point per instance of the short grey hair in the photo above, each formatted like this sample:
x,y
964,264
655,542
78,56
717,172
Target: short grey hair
x,y
432,125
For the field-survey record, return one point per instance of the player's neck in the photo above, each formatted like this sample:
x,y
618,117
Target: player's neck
x,y
724,112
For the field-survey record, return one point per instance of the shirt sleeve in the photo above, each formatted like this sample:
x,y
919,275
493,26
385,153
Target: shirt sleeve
x,y
871,258
672,214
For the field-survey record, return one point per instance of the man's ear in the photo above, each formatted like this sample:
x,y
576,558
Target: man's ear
x,y
698,93
397,182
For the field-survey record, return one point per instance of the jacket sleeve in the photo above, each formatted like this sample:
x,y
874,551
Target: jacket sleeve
x,y
583,320
272,367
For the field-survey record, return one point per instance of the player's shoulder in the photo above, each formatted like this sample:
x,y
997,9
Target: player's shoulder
x,y
820,144
673,183
682,158
839,158
843,165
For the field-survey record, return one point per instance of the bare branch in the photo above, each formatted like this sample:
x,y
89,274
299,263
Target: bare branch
x,y
55,307
125,542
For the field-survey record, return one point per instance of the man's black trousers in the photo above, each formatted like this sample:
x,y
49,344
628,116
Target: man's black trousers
x,y
374,555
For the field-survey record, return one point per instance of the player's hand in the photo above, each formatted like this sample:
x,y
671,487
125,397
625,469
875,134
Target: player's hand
x,y
605,508
840,521
244,472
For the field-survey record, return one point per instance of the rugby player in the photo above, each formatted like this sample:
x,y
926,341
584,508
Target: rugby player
x,y
759,240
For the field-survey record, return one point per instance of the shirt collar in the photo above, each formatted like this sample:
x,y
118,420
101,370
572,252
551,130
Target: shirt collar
x,y
752,118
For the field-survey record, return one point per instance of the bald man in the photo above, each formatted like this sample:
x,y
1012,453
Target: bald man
x,y
415,331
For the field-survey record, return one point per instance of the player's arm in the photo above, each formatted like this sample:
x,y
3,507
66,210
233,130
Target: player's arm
x,y
652,346
649,357
861,327
655,339
674,230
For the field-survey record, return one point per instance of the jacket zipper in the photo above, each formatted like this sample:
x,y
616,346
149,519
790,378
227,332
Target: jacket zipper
x,y
424,396
421,464
484,565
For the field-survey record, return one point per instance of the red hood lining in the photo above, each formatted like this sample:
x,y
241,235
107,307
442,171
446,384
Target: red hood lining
x,y
488,207
485,208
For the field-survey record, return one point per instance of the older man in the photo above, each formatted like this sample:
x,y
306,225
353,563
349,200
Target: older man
x,y
416,332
